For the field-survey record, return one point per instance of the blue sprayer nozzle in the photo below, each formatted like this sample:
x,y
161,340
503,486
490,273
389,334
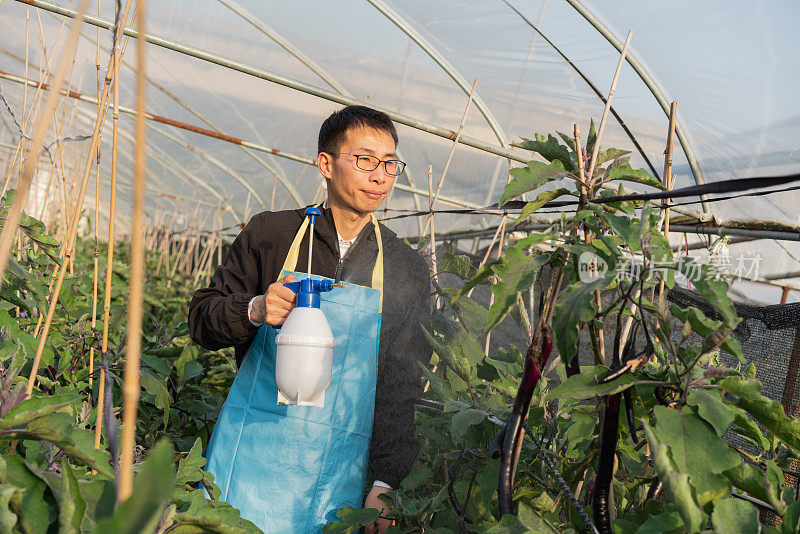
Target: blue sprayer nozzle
x,y
308,291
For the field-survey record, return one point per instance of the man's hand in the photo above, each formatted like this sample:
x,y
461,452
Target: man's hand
x,y
372,501
274,306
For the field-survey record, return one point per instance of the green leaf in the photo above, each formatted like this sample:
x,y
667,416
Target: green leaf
x,y
568,140
10,295
710,488
212,516
705,327
585,385
190,467
77,443
71,505
575,305
487,479
749,428
439,386
8,519
791,519
351,520
550,149
752,480
610,154
480,277
669,523
534,238
626,173
517,273
151,490
531,520
35,407
160,365
704,278
460,265
734,516
166,353
531,177
191,370
543,198
34,505
676,483
590,138
155,387
627,228
712,409
418,476
471,315
459,365
696,449
510,525
463,420
766,411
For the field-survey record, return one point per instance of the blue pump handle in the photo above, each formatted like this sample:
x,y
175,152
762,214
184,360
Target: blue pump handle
x,y
312,213
308,291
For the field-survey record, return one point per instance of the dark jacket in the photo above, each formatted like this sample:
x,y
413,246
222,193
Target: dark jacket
x,y
218,314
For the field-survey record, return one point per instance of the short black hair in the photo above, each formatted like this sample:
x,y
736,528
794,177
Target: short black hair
x,y
333,131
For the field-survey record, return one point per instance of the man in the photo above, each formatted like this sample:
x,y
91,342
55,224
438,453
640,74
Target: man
x,y
288,468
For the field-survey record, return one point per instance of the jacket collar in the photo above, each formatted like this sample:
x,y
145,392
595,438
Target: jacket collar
x,y
325,228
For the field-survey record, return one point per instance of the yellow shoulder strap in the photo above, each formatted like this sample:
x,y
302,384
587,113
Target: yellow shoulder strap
x,y
290,263
377,270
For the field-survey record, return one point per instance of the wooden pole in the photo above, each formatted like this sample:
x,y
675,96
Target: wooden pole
x,y
449,157
43,72
611,91
27,43
72,230
587,234
667,174
433,231
96,219
491,296
785,294
131,386
10,227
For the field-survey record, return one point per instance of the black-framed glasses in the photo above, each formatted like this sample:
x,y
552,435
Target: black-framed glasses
x,y
369,163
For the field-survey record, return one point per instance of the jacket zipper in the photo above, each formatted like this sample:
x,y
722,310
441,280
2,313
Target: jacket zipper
x,y
339,265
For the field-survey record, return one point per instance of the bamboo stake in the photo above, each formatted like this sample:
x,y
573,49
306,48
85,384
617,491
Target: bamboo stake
x,y
602,126
27,41
587,234
58,163
667,175
433,234
134,336
491,296
72,230
33,108
28,167
205,259
450,157
96,218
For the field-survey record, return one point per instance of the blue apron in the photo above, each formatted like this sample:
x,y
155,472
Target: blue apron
x,y
290,468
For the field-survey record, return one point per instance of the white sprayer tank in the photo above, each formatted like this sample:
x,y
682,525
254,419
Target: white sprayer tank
x,y
304,358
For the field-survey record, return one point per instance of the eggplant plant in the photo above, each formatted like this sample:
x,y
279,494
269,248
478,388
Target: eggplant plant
x,y
52,478
639,439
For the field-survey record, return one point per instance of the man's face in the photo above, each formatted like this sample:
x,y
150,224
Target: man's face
x,y
350,187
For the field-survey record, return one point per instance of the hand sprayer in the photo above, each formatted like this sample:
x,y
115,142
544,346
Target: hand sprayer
x,y
305,343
